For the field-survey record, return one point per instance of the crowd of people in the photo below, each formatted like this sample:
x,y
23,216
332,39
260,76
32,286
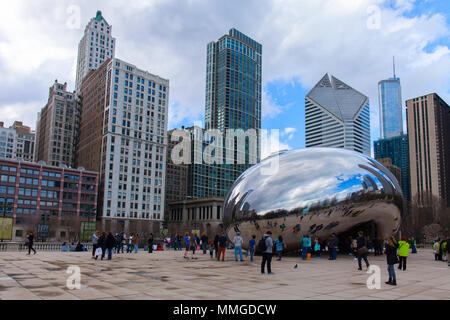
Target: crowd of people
x,y
360,247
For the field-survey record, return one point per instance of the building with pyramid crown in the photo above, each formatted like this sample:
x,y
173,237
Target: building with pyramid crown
x,y
338,116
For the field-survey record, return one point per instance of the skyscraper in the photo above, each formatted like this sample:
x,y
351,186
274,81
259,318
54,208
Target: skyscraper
x,y
123,136
390,100
396,149
429,148
233,84
336,115
25,141
57,127
8,142
96,46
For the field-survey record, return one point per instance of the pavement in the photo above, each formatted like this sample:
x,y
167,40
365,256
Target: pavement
x,y
167,275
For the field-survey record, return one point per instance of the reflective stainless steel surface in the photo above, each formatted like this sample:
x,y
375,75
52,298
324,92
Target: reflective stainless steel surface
x,y
315,191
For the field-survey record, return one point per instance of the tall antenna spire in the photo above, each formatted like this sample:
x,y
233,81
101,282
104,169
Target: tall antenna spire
x,y
393,64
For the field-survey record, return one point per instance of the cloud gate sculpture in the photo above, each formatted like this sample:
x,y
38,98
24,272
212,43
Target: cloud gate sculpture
x,y
314,191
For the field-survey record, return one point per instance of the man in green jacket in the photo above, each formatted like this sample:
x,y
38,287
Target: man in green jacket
x,y
403,253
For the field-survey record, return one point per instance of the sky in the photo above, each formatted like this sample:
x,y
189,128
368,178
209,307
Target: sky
x,y
302,40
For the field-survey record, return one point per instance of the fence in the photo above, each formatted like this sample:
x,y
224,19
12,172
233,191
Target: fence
x,y
39,246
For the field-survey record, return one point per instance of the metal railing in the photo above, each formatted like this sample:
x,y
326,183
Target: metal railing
x,y
39,246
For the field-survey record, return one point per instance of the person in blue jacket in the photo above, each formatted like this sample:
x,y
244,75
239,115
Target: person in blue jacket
x,y
306,246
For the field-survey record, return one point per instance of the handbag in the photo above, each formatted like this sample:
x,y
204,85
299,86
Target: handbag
x,y
98,252
362,250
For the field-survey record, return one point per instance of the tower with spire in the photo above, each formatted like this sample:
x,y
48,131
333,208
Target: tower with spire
x,y
96,46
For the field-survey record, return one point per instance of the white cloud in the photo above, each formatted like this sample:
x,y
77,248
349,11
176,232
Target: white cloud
x,y
301,40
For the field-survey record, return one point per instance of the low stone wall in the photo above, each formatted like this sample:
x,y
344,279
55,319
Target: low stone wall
x,y
39,246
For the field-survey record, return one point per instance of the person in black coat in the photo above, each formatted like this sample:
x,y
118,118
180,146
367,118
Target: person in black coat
x,y
30,243
204,240
216,245
392,259
110,243
362,249
150,243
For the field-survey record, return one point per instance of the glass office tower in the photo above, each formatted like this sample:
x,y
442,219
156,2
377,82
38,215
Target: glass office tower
x,y
390,100
233,83
396,149
233,101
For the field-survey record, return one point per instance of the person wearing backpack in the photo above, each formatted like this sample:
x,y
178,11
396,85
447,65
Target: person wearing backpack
x,y
265,245
222,246
403,253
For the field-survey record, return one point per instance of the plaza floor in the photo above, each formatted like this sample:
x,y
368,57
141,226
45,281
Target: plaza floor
x,y
167,275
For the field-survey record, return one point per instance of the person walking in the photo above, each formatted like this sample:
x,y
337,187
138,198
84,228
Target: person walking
x,y
150,243
211,248
135,243
306,246
193,245
238,241
266,244
222,246
392,260
204,242
216,245
118,242
30,238
403,253
95,237
124,241
101,244
279,246
130,243
110,243
251,247
362,249
187,244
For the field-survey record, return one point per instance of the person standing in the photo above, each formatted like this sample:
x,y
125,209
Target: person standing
x,y
279,246
150,243
403,253
124,240
413,245
238,241
266,246
95,237
222,246
362,249
119,242
204,242
436,247
317,247
216,245
187,244
251,247
136,243
306,246
392,259
30,238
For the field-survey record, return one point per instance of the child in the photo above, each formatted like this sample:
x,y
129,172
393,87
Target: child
x,y
317,248
211,248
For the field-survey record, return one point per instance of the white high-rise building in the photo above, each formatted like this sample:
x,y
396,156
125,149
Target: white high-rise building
x,y
96,46
123,135
8,142
338,116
